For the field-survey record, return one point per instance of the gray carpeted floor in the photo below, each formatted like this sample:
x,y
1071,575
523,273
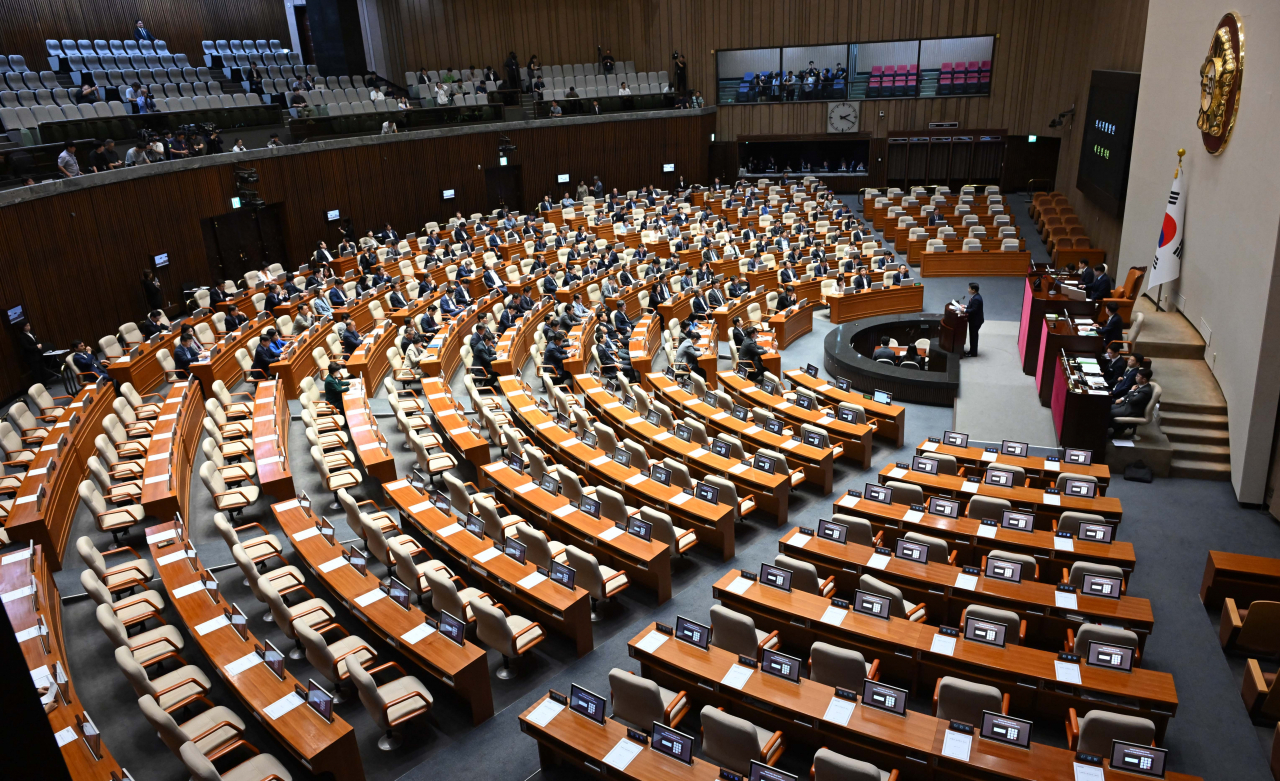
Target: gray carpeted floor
x,y
1171,522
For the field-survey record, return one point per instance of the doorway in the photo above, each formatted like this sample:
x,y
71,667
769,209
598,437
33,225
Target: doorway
x,y
504,187
244,240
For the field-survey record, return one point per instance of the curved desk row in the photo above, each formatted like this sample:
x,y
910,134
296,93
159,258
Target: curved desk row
x,y
166,474
271,441
1035,467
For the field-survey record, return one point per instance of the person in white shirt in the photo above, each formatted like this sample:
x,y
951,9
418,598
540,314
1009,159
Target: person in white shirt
x,y
442,95
376,94
239,147
623,89
389,128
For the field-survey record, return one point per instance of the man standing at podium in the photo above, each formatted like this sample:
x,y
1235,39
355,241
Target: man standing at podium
x,y
974,310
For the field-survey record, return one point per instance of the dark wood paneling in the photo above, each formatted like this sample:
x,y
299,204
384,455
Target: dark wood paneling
x,y
75,260
182,25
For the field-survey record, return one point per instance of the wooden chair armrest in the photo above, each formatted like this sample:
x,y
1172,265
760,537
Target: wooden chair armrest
x,y
122,549
528,628
150,643
937,688
767,638
405,698
918,615
1070,642
387,666
1073,729
874,672
316,609
213,729
1229,626
774,740
237,491
822,587
951,559
260,527
1254,689
666,713
1066,576
1022,630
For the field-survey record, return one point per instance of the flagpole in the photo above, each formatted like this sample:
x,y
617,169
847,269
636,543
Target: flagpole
x,y
1160,287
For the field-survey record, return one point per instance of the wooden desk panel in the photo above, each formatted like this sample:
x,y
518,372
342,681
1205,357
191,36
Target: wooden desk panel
x,y
975,264
790,325
370,446
516,344
166,476
321,746
847,307
271,440
646,337
890,419
1242,577
916,247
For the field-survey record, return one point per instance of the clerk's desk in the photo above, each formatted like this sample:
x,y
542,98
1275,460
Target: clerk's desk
x,y
973,539
941,587
904,648
565,611
976,459
1081,414
1045,505
890,419
911,743
465,669
44,652
1035,305
1242,577
1056,336
166,473
855,305
713,523
321,746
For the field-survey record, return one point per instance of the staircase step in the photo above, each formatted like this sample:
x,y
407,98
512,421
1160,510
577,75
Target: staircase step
x,y
1202,452
1202,408
1199,470
1191,420
1189,434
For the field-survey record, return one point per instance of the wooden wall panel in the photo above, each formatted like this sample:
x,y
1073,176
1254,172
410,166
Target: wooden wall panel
x,y
182,25
75,260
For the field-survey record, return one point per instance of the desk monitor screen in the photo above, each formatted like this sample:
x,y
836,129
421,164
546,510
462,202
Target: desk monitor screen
x,y
740,412
763,463
847,415
1001,477
1110,655
320,700
1101,586
707,493
830,530
955,439
1001,569
710,399
653,418
692,632
889,698
947,508
811,370
622,457
399,593
639,528
590,506
660,474
769,386
843,384
1078,457
777,577
586,703
1085,489
516,463
721,448
161,260
549,484
913,551
1006,729
805,402
515,549
816,439
882,397
927,465
453,628
474,525
773,426
332,215
871,604
683,432
273,659
1132,758
1023,522
878,493
780,665
676,745
988,632
1010,448
1096,532
762,772
562,574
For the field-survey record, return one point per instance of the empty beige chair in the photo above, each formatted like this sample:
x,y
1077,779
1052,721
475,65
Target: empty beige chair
x,y
261,767
1254,629
230,407
665,531
861,532
1015,626
1075,576
172,690
126,444
330,659
353,512
116,520
538,549
1070,521
938,549
639,702
334,478
132,609
230,448
1078,639
898,607
961,700
737,633
612,505
391,704
214,732
599,581
735,743
447,598
386,549
149,647
225,498
510,635
1095,733
742,506
841,667
805,576
286,579
46,402
127,574
15,454
830,766
986,507
231,473
1030,567
496,525
258,549
905,493
132,425
310,612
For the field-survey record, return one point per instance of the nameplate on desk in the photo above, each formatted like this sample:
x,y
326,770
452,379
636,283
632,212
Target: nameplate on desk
x,y
162,435
282,706
212,624
526,488
611,533
188,590
370,446
364,600
159,457
306,534
10,596
332,564
25,553
152,539
599,460
286,506
530,580
65,736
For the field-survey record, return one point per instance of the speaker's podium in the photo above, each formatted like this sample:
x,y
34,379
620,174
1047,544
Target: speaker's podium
x,y
955,326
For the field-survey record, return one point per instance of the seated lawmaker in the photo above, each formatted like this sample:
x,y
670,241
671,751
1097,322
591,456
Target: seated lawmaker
x,y
884,351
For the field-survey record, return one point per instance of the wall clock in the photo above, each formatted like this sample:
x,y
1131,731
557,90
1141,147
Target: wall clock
x,y
842,117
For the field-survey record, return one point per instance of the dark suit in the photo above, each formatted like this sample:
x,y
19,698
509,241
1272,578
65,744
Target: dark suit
x,y
860,283
884,352
1124,383
150,329
506,321
89,363
397,301
351,339
1112,331
1112,370
738,336
1101,287
622,323
750,351
976,319
899,279
232,322
554,358
337,297
273,301
1134,403
263,357
428,325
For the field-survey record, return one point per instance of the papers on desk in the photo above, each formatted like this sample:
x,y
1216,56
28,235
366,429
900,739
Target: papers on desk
x,y
1090,368
570,442
270,461
489,553
753,429
1052,466
987,531
250,659
636,479
27,499
930,446
460,430
282,706
834,616
527,408
943,644
987,455
19,556
212,624
600,460
162,435
65,736
970,487
370,446
839,711
18,593
531,580
652,641
739,585
1098,393
420,507
1064,543
1116,443
364,600
613,405
621,755
563,512
546,424
897,472
306,534
737,676
332,564
1065,600
156,479
1082,320
679,499
610,533
878,561
526,488
264,418
966,581
289,505
188,590
34,472
957,745
663,436
1088,772
720,416
912,516
782,405
799,540
848,501
544,713
173,557
419,632
159,457
826,420
1066,672
1054,499
789,444
452,528
698,452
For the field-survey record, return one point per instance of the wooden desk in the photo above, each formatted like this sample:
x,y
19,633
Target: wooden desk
x,y
847,307
371,448
271,440
890,419
646,337
465,669
143,370
911,743
1055,337
24,568
915,248
972,541
855,438
296,361
1037,468
516,343
221,363
369,362
1242,577
789,325
1069,258
737,307
1081,415
444,352
57,469
936,585
817,463
712,523
1046,506
975,264
1035,305
166,474
463,434
678,306
772,492
631,296
904,649
322,747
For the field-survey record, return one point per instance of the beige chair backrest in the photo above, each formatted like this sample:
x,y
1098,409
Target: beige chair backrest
x,y
372,699
1099,728
1113,635
1081,568
492,628
897,605
1012,621
163,723
728,740
537,549
613,506
965,701
636,700
986,507
860,530
830,766
733,632
588,575
804,575
938,549
837,666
